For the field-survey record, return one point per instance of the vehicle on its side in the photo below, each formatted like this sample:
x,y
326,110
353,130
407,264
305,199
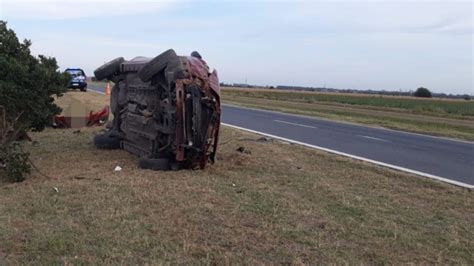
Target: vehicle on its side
x,y
78,79
166,110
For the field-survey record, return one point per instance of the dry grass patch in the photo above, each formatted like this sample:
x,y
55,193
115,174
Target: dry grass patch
x,y
90,99
280,204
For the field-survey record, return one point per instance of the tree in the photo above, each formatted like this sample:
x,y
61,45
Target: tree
x,y
422,92
27,84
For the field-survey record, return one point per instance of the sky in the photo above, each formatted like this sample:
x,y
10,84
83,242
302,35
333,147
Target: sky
x,y
378,45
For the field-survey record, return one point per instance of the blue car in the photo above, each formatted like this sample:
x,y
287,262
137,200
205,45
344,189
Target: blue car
x,y
78,79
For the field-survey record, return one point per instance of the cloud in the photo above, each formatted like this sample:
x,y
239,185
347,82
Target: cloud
x,y
119,43
382,17
93,53
60,9
454,26
349,44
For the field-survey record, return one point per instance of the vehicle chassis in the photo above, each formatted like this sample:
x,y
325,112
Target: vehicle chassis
x,y
166,110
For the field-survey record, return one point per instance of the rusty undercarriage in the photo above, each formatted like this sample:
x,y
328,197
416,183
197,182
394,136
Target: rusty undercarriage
x,y
166,110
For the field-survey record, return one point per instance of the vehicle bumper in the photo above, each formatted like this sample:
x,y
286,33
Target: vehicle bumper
x,y
75,85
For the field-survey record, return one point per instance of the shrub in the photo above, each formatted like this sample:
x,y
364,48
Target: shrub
x,y
27,84
422,92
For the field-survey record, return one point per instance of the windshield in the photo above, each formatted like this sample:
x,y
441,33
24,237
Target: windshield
x,y
75,72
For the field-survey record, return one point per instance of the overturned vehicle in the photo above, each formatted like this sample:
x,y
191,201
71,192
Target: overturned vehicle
x,y
166,110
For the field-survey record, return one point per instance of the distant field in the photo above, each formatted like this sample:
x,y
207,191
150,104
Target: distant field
x,y
450,118
457,108
277,204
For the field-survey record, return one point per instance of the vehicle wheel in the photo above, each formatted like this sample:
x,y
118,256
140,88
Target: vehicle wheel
x,y
107,142
154,164
108,69
84,89
156,65
175,166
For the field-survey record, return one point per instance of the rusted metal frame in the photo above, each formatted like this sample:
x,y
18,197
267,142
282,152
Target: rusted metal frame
x,y
210,88
214,86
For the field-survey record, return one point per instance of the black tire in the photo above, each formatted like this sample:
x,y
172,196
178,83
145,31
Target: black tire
x,y
107,142
175,166
156,65
84,89
109,69
154,164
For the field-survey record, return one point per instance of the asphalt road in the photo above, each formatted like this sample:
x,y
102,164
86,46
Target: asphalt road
x,y
440,158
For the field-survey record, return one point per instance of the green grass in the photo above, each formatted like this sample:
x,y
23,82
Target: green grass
x,y
281,204
275,205
418,106
433,120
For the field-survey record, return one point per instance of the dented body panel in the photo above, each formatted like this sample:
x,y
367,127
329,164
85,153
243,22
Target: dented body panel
x,y
166,107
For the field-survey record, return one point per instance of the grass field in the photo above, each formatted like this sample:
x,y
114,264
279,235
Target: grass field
x,y
280,203
450,118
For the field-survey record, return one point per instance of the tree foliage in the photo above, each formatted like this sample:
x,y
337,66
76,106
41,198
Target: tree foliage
x,y
27,84
422,92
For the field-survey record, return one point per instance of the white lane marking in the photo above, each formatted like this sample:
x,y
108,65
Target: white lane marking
x,y
442,179
439,178
374,138
349,123
295,124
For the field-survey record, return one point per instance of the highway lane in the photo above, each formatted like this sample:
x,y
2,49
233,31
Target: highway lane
x,y
440,158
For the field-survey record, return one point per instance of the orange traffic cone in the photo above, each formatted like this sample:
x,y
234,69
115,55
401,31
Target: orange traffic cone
x,y
107,89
